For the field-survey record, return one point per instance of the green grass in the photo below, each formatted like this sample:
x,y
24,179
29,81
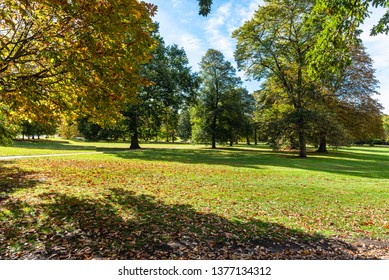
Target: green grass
x,y
118,202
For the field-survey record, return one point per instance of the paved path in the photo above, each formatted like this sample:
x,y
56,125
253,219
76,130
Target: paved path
x,y
48,155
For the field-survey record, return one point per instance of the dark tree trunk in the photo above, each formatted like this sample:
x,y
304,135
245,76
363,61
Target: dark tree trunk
x,y
214,131
323,144
135,141
302,145
255,136
134,128
248,140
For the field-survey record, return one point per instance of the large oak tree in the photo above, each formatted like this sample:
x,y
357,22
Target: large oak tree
x,y
274,45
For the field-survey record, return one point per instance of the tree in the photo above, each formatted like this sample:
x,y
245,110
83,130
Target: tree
x,y
219,83
350,100
185,125
237,114
274,45
170,84
7,130
205,7
274,116
330,51
76,56
386,128
32,129
68,130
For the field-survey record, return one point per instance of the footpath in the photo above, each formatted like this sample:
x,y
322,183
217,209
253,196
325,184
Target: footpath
x,y
5,158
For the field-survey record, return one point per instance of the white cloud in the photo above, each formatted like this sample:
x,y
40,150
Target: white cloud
x,y
190,42
193,47
216,31
176,3
246,11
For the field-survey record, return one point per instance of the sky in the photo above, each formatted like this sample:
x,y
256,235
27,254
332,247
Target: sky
x,y
181,24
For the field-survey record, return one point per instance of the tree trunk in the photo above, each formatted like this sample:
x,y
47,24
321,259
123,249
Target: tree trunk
x,y
248,140
135,137
255,136
135,142
214,131
323,144
302,145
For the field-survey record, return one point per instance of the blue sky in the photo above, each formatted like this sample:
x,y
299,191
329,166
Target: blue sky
x,y
180,24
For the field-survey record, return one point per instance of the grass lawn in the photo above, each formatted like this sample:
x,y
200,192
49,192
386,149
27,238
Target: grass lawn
x,y
178,201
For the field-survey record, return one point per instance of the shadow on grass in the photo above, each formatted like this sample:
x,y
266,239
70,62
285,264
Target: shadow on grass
x,y
13,178
51,145
369,162
124,225
338,162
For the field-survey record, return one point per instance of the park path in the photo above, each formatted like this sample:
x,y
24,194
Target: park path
x,y
4,158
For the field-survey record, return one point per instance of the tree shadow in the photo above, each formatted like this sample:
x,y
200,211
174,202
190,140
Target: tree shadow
x,y
51,145
13,178
124,225
337,162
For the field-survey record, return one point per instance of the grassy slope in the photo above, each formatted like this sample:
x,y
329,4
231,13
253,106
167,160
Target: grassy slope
x,y
182,192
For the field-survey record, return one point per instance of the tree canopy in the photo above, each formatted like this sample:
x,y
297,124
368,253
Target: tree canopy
x,y
73,56
274,47
219,99
205,7
341,20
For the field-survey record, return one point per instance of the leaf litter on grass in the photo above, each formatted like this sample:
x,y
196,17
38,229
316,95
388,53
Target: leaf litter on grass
x,y
111,209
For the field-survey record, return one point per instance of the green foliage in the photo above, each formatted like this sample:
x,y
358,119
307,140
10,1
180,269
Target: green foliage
x,y
273,45
219,93
68,130
386,127
205,7
7,129
340,22
335,107
94,132
351,98
171,84
34,128
184,125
